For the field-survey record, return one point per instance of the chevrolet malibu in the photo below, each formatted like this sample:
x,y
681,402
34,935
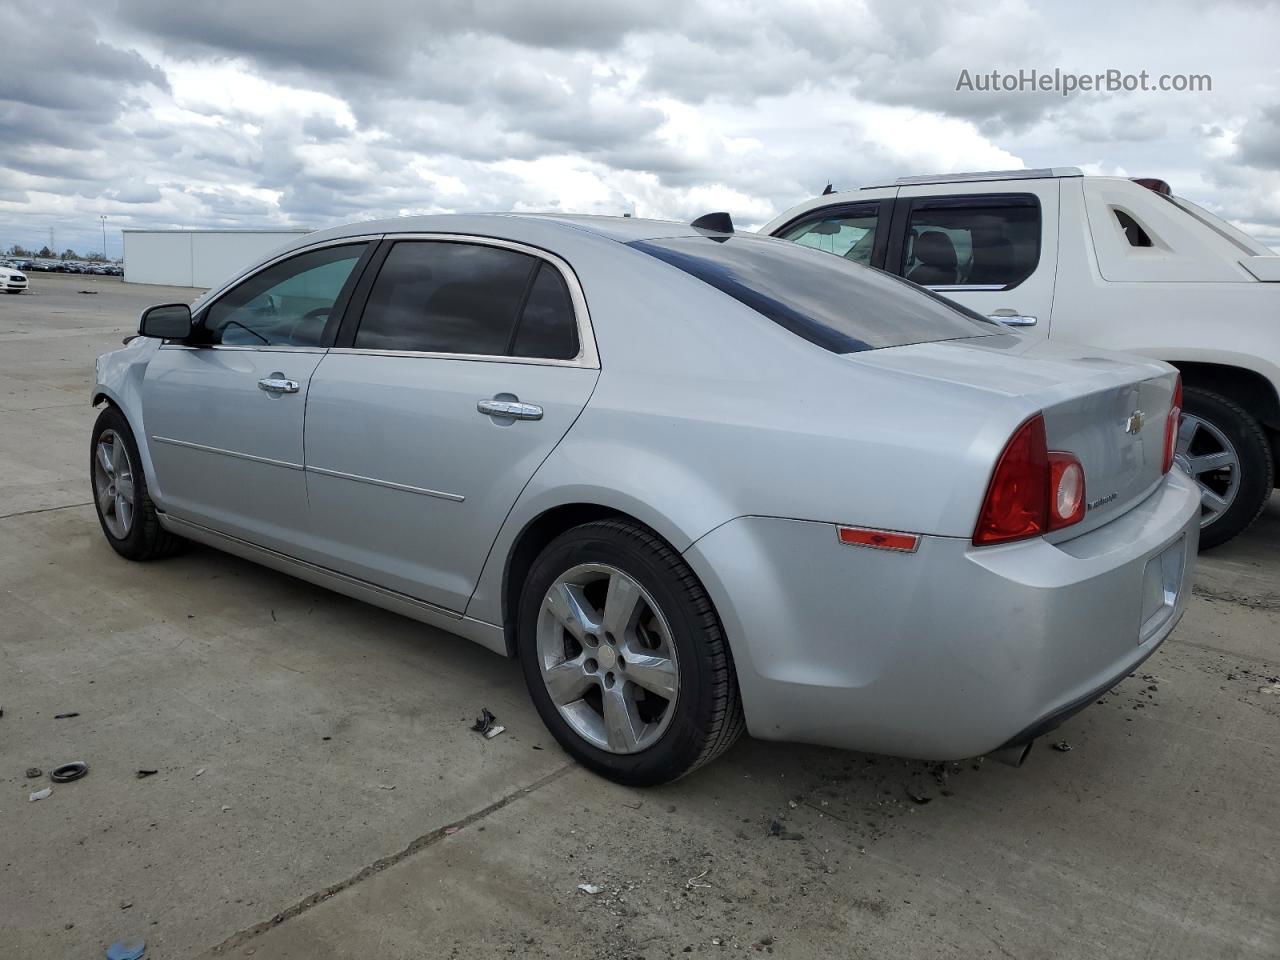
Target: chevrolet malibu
x,y
695,481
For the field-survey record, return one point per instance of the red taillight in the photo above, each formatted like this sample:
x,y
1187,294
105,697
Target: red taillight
x,y
1032,491
1171,425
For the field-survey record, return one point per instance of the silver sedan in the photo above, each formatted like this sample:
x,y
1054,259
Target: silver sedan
x,y
696,481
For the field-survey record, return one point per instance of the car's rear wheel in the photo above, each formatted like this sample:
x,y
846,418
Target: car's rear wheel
x,y
624,655
1226,452
125,511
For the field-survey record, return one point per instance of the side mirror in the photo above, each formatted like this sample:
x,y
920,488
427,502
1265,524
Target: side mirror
x,y
168,321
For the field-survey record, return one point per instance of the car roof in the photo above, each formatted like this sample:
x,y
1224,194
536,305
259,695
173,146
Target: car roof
x,y
621,229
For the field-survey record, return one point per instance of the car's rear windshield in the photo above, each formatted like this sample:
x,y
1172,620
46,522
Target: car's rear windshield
x,y
838,305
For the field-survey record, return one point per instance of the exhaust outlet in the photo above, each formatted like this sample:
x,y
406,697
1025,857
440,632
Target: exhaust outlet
x,y
1014,755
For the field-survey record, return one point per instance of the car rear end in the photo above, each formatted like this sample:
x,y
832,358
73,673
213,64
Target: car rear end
x,y
1076,567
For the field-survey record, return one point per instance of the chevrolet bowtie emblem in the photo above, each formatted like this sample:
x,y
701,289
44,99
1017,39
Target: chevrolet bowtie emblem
x,y
1134,424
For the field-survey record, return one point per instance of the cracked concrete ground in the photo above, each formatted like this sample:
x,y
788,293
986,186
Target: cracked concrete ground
x,y
318,793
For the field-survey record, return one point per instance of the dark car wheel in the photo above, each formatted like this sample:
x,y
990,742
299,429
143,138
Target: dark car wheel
x,y
624,655
1225,450
125,511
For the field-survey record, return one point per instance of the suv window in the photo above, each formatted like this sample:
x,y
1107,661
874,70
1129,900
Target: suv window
x,y
465,298
850,234
840,306
988,241
288,304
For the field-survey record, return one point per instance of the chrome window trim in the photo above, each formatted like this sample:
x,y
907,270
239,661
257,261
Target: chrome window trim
x,y
970,287
209,297
588,353
265,348
288,465
403,487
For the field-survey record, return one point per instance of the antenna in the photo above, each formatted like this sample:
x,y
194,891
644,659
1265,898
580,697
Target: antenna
x,y
715,222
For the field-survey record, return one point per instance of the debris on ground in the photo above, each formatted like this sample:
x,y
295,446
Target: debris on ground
x,y
92,293
143,774
67,772
199,773
591,888
40,794
487,724
1273,688
917,795
225,808
1062,746
776,830
33,772
131,949
694,883
450,831
386,786
65,716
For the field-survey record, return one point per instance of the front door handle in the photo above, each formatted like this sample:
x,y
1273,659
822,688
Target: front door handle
x,y
512,409
1012,318
278,385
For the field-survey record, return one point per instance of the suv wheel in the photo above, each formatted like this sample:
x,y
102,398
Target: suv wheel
x,y
1226,452
624,656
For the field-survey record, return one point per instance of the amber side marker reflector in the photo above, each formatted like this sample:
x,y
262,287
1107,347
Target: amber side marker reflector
x,y
880,539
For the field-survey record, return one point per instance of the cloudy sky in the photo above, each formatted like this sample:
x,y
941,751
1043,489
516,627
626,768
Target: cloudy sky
x,y
225,113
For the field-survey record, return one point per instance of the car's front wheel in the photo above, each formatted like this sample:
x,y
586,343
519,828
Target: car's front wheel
x,y
624,655
1226,452
125,511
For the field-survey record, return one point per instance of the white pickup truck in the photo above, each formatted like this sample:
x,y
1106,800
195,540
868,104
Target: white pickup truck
x,y
1121,264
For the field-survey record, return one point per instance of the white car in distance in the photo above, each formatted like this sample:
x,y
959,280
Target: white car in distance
x,y
1116,263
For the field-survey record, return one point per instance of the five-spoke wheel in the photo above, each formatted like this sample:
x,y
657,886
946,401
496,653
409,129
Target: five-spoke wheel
x,y
113,483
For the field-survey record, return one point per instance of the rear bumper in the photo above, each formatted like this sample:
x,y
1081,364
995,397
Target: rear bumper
x,y
953,650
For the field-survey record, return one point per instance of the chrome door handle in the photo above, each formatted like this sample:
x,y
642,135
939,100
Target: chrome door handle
x,y
510,408
278,385
1012,319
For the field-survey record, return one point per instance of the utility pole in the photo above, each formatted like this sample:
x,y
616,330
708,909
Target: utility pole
x,y
103,218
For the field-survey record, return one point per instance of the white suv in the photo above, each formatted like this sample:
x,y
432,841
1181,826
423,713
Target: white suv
x,y
1122,264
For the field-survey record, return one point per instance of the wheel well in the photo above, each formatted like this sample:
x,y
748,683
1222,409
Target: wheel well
x,y
1251,390
100,398
531,542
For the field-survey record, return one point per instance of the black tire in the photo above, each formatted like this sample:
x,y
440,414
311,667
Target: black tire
x,y
707,716
146,539
1254,453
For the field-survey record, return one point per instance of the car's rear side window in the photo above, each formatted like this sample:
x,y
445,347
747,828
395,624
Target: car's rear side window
x,y
452,297
838,305
437,297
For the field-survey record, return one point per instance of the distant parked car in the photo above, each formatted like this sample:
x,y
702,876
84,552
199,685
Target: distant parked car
x,y
1122,264
12,281
692,478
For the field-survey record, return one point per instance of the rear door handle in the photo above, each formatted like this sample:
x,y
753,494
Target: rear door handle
x,y
278,385
513,409
1012,318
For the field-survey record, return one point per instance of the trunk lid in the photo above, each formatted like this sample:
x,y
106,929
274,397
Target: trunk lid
x,y
1108,409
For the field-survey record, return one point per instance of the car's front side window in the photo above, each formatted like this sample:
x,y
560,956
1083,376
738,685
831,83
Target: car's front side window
x,y
473,299
851,234
288,304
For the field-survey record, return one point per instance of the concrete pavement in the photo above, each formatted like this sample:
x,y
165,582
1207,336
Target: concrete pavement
x,y
319,795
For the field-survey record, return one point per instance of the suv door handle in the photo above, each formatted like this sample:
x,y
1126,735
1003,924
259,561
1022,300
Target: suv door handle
x,y
510,408
1012,318
278,385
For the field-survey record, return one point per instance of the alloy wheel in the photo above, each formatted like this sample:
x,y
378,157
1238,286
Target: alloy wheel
x,y
113,483
607,658
1205,453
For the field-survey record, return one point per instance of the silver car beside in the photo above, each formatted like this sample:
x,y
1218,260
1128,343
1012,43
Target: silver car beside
x,y
694,480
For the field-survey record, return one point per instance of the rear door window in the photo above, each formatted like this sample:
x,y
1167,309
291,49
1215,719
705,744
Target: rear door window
x,y
978,241
829,301
438,297
849,232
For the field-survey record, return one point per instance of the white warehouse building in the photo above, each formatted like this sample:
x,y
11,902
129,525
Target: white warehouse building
x,y
196,258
